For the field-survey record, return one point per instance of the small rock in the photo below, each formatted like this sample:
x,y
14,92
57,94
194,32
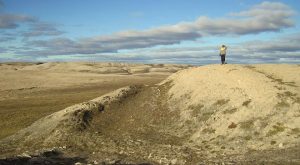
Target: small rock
x,y
25,155
50,153
280,145
78,163
173,161
95,162
232,125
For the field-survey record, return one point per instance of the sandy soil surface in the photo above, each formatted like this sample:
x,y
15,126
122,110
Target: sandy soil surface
x,y
214,114
30,91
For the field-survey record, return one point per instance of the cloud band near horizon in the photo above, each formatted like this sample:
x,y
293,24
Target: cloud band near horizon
x,y
264,17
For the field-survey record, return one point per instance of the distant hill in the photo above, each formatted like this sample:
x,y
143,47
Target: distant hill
x,y
96,67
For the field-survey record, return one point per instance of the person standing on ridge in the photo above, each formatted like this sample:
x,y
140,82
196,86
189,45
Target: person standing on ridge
x,y
223,53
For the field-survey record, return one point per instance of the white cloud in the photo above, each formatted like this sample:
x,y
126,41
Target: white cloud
x,y
42,29
11,21
264,17
1,4
289,43
283,49
36,27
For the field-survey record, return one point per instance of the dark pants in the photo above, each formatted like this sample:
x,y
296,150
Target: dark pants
x,y
223,59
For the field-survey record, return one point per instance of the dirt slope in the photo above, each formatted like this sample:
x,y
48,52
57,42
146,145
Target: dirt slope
x,y
30,91
252,107
212,114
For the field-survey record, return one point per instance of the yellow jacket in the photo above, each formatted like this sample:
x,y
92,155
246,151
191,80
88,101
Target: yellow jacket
x,y
223,50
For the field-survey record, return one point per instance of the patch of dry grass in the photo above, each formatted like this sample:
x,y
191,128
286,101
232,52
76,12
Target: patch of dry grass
x,y
246,103
247,125
230,111
221,102
196,109
208,130
295,131
279,127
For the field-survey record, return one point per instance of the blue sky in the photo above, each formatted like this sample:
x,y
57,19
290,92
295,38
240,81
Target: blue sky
x,y
147,31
